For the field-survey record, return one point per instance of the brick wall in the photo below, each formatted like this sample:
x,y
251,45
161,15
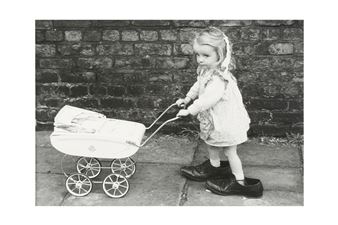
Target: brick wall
x,y
134,69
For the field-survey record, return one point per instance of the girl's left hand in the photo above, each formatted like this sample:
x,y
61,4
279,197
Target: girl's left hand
x,y
183,112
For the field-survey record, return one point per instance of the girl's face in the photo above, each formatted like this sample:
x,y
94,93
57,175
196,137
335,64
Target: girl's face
x,y
205,55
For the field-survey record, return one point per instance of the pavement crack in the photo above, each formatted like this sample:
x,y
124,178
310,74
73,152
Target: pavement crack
x,y
184,194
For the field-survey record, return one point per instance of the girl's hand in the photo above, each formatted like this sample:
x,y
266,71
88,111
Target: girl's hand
x,y
180,102
183,112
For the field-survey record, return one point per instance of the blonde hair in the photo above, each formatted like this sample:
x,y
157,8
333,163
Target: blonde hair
x,y
215,38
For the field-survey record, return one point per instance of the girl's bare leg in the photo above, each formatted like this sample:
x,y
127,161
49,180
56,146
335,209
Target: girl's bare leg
x,y
235,163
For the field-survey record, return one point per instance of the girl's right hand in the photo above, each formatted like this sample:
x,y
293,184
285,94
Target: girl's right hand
x,y
181,102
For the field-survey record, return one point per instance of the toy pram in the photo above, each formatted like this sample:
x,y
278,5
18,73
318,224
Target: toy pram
x,y
90,135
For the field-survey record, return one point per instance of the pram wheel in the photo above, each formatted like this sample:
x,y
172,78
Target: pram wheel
x,y
88,166
115,185
79,185
124,166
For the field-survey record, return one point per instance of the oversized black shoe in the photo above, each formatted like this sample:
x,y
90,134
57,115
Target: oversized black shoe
x,y
205,171
229,186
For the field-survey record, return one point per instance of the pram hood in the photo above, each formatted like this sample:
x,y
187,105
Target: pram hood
x,y
82,132
77,120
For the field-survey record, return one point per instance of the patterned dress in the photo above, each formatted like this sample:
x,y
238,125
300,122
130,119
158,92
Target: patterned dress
x,y
219,107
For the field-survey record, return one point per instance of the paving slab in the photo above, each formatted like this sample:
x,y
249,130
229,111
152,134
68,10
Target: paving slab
x,y
256,154
151,185
50,189
167,149
283,179
199,196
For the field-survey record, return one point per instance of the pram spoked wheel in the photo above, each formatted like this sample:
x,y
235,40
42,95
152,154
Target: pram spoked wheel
x,y
79,185
89,166
124,166
115,185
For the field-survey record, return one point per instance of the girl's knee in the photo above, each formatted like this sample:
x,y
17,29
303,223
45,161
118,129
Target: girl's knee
x,y
230,151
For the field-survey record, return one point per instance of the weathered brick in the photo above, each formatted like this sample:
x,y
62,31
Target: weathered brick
x,y
252,90
87,50
90,63
283,62
153,49
150,23
275,22
135,62
191,23
43,24
108,76
299,47
103,62
47,75
39,36
97,90
287,117
115,49
243,49
149,35
111,35
250,34
145,103
268,104
268,130
188,34
111,23
54,35
72,23
77,77
92,35
117,103
85,63
293,34
184,49
116,91
161,77
296,105
135,90
281,49
172,63
130,35
56,63
42,115
45,50
291,90
234,34
78,91
52,90
259,117
231,23
53,102
271,34
67,50
169,35
86,102
73,35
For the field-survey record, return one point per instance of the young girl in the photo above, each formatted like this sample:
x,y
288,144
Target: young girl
x,y
224,121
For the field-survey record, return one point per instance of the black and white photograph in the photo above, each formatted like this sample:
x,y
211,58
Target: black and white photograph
x,y
169,112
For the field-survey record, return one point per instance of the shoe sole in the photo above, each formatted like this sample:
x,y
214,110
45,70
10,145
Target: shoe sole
x,y
258,195
201,179
193,178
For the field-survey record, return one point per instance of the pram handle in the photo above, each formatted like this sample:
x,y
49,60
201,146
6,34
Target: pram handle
x,y
161,115
170,120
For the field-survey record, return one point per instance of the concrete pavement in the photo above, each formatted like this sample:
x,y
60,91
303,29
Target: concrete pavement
x,y
157,181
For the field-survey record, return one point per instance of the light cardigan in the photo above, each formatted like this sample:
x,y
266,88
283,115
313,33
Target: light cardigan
x,y
219,107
